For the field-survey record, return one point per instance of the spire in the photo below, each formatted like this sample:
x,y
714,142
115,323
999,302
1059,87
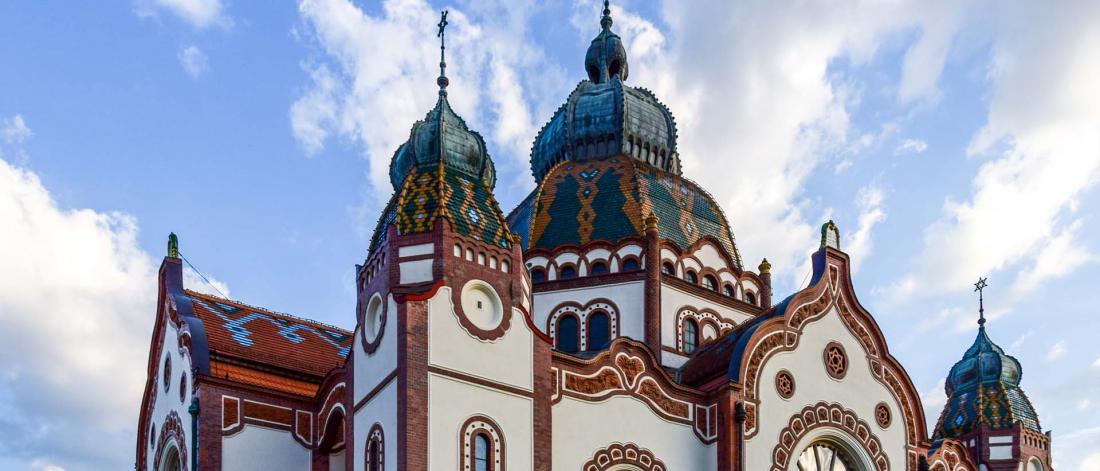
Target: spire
x,y
173,246
606,57
980,288
605,20
442,80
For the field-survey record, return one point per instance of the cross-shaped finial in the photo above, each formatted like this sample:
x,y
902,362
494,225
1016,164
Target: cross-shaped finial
x,y
442,80
980,288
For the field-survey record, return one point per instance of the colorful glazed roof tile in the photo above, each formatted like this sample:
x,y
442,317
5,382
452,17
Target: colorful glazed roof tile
x,y
984,388
580,202
279,340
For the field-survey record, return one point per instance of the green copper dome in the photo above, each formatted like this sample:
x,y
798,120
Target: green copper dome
x,y
442,137
984,388
604,117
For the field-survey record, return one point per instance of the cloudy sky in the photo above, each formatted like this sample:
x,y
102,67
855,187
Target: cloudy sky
x,y
947,139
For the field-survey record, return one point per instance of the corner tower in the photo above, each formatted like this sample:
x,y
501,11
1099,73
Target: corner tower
x,y
447,368
988,411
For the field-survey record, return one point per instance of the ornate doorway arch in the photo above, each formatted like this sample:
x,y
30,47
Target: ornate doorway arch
x,y
624,457
834,427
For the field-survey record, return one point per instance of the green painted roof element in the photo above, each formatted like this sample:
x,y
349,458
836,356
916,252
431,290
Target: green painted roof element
x,y
604,117
428,195
984,388
442,137
581,202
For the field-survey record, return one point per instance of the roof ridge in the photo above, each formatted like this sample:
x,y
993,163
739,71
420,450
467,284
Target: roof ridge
x,y
240,304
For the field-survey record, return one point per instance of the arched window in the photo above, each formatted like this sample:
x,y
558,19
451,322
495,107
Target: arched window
x,y
482,443
710,283
630,264
482,462
599,268
750,298
728,290
376,450
567,334
823,456
599,331
668,269
568,272
691,277
691,335
538,275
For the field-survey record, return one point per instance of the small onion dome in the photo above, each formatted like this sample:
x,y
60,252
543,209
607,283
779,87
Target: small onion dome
x,y
442,136
984,388
604,117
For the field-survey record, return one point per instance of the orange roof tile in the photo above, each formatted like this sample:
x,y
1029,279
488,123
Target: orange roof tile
x,y
270,338
262,379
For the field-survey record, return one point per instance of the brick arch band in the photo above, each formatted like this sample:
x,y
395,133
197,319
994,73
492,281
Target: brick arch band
x,y
827,415
624,454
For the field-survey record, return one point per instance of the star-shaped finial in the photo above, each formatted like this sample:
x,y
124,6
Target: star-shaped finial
x,y
980,288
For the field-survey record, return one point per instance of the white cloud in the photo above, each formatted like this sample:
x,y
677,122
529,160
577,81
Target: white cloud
x,y
1016,344
40,465
14,130
198,13
1083,404
489,64
193,280
859,245
77,299
1043,149
1056,351
911,146
1091,462
933,400
193,61
1096,364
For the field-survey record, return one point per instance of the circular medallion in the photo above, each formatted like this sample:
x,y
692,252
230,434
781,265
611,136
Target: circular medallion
x,y
882,415
784,384
373,320
481,305
836,360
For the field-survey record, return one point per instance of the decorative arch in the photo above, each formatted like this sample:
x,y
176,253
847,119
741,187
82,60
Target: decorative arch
x,y
575,309
171,435
702,317
620,454
831,288
375,449
827,415
482,425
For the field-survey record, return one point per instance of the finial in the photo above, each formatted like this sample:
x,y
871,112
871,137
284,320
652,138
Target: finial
x,y
651,221
980,288
442,80
830,235
173,246
605,21
765,267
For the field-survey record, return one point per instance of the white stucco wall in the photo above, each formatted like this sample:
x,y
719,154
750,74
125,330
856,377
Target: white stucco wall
x,y
337,461
372,368
451,402
858,391
257,448
452,347
582,428
629,297
382,408
168,401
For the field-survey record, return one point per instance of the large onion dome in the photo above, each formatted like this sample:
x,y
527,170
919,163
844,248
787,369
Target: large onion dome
x,y
604,117
984,388
609,200
442,137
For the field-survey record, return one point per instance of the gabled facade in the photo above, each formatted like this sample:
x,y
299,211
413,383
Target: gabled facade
x,y
607,323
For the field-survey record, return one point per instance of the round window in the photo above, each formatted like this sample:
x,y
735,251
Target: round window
x,y
167,373
373,320
481,305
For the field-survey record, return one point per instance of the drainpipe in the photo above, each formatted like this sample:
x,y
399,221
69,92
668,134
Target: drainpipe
x,y
740,415
194,410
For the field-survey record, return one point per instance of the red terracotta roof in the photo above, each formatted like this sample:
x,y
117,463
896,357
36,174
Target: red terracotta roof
x,y
243,374
269,338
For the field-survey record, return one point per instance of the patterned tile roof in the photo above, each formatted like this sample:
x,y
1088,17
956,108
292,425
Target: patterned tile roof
x,y
580,202
269,338
425,196
254,377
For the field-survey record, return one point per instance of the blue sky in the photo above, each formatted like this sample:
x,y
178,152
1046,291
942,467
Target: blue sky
x,y
947,139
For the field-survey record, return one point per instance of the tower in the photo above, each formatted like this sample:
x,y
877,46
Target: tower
x,y
442,300
987,410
